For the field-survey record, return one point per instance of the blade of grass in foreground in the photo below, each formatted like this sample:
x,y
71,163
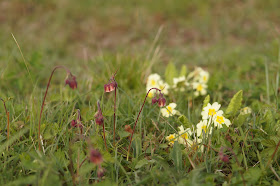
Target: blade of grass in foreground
x,y
13,139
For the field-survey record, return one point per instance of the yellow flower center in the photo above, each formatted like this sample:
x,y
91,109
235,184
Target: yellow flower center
x,y
204,127
169,109
212,112
184,136
153,82
220,119
199,88
204,78
171,138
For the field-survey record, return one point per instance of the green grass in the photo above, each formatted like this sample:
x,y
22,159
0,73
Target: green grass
x,y
236,41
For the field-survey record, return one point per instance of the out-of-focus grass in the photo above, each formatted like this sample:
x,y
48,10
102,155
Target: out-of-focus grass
x,y
231,39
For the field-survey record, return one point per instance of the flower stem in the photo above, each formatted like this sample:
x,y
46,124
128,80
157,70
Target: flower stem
x,y
43,103
130,140
99,109
115,116
8,119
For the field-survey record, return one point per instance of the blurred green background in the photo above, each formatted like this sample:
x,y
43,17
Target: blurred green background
x,y
236,38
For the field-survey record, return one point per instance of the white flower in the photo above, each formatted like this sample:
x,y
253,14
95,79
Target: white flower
x,y
153,80
163,86
179,83
171,139
195,73
203,76
200,88
210,111
246,110
220,120
203,126
184,135
169,110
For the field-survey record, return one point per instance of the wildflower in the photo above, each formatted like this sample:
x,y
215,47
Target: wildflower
x,y
99,119
222,156
219,120
71,81
163,86
179,83
184,135
200,88
246,110
127,128
210,111
203,76
153,80
161,100
195,74
171,139
203,127
169,110
100,172
95,157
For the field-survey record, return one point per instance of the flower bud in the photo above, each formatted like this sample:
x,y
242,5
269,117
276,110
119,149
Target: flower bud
x,y
127,128
161,101
154,100
100,172
95,157
73,123
106,88
99,120
71,81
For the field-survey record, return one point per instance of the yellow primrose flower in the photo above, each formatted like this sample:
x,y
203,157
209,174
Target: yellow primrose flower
x,y
210,111
184,135
169,110
163,86
179,83
220,120
171,139
200,88
203,126
153,80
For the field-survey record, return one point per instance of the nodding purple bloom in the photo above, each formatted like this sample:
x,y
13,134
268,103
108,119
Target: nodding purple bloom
x,y
71,81
154,100
222,156
95,157
106,88
99,119
100,172
74,123
161,100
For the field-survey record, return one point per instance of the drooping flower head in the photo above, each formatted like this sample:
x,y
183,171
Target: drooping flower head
x,y
99,119
112,84
71,81
95,157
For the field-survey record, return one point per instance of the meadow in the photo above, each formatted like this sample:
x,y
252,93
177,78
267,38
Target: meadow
x,y
144,92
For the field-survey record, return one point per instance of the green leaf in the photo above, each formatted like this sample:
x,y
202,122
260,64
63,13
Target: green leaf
x,y
170,73
183,71
137,146
206,101
241,119
235,104
123,134
185,121
176,155
141,163
269,143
